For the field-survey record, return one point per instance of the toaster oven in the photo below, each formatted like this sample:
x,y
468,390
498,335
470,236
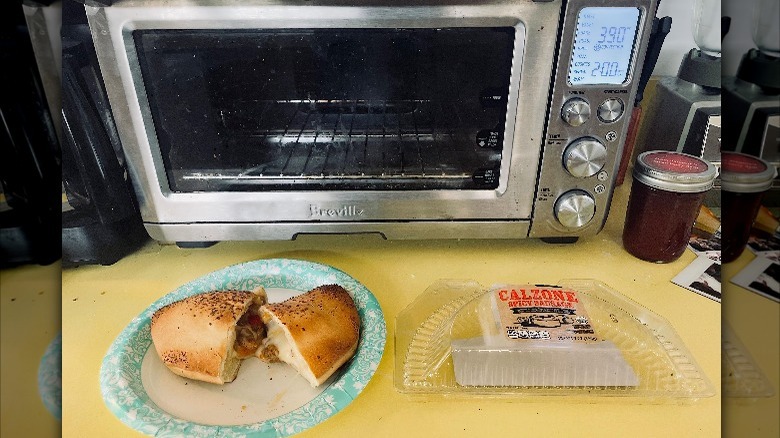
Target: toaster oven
x,y
267,119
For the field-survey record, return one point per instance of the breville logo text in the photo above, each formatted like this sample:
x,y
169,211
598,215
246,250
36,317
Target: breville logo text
x,y
344,211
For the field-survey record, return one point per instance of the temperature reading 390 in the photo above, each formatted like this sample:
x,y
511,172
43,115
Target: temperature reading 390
x,y
614,34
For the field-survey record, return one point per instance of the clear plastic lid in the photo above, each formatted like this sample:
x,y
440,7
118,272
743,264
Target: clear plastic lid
x,y
674,171
740,376
452,341
743,173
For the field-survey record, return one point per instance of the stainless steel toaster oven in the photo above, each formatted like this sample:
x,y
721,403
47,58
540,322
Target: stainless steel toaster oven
x,y
266,119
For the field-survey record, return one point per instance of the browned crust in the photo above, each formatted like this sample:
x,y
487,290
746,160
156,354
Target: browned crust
x,y
324,324
194,337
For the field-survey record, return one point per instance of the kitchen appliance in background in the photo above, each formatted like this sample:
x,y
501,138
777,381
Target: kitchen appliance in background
x,y
100,220
661,28
434,119
751,99
685,113
29,152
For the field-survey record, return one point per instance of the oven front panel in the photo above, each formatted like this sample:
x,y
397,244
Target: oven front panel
x,y
602,49
315,114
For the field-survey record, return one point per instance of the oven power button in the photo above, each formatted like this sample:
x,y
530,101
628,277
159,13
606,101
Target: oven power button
x,y
575,208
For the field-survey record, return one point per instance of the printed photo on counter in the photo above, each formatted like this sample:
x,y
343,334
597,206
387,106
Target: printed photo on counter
x,y
702,276
761,276
707,246
768,247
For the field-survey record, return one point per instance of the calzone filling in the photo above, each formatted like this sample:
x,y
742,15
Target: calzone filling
x,y
250,332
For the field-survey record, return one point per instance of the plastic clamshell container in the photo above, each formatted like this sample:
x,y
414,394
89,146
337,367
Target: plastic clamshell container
x,y
740,375
638,354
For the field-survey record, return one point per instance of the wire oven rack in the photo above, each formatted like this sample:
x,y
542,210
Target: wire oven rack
x,y
424,142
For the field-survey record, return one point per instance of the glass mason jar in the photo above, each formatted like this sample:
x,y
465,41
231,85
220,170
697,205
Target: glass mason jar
x,y
665,198
744,181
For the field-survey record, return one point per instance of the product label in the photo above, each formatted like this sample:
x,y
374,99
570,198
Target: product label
x,y
544,313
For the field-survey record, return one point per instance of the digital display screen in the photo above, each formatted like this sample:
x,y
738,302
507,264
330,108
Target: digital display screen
x,y
603,45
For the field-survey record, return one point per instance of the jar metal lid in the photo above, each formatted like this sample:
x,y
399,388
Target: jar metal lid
x,y
743,173
674,171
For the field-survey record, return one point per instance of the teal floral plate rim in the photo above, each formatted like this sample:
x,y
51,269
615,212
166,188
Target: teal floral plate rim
x,y
50,377
120,373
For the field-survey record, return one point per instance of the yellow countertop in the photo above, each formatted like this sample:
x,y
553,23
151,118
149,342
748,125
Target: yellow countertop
x,y
29,322
98,302
755,320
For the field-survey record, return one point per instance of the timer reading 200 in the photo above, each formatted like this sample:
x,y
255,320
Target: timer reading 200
x,y
607,69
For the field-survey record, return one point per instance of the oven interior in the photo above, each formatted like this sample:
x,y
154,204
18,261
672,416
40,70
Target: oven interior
x,y
328,109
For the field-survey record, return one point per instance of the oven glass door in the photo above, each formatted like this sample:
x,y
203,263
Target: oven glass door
x,y
328,109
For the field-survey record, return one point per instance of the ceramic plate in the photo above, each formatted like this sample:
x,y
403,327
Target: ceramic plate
x,y
265,400
50,377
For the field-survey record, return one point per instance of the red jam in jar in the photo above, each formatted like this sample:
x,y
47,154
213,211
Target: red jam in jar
x,y
744,180
666,195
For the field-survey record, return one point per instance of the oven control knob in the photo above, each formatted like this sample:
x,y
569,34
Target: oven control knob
x,y
574,209
584,157
575,111
610,110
